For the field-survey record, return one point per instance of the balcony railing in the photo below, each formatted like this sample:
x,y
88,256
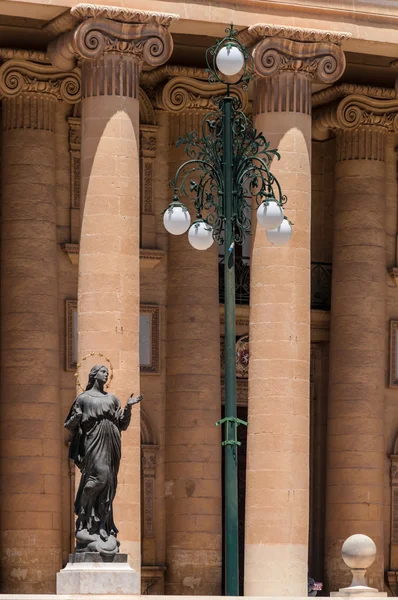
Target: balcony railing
x,y
321,283
242,280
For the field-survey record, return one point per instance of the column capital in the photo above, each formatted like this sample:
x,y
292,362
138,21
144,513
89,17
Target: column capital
x,y
182,93
315,53
363,107
20,77
89,32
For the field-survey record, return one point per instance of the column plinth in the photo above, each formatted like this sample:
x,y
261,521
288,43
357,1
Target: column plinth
x,y
277,474
30,448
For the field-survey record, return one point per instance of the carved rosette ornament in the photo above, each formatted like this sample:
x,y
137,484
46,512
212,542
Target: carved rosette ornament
x,y
359,122
287,60
29,91
113,45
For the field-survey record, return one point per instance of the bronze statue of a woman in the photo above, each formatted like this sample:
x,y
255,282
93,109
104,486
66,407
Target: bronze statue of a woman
x,y
95,421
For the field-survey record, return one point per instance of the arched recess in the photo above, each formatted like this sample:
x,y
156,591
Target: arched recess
x,y
152,575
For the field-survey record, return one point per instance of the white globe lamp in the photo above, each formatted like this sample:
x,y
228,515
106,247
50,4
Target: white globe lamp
x,y
200,235
176,219
230,60
270,214
280,235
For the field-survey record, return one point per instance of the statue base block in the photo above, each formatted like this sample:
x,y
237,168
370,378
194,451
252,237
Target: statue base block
x,y
93,573
358,591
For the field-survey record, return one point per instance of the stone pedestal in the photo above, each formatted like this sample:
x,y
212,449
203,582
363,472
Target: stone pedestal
x,y
359,591
91,573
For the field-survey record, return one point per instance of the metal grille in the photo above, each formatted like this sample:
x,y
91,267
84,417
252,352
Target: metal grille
x,y
321,283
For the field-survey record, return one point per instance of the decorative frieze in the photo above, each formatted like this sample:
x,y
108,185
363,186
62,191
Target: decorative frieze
x,y
148,465
74,150
148,154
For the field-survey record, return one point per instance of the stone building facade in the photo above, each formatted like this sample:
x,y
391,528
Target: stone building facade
x,y
93,100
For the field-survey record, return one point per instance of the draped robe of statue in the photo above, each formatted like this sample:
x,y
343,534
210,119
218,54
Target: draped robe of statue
x,y
95,423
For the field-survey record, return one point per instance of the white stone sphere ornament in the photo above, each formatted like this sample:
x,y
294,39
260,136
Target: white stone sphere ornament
x,y
270,214
200,235
358,553
230,60
280,235
176,219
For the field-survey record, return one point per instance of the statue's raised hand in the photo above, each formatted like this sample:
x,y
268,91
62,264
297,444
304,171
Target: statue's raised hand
x,y
133,400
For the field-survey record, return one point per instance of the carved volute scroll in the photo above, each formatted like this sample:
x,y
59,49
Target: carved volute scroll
x,y
92,31
287,60
359,120
185,93
30,90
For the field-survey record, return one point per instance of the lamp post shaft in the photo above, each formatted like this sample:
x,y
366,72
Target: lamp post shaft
x,y
231,465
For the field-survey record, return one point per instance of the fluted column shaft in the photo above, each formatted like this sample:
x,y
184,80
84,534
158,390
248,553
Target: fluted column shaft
x,y
193,443
277,471
30,419
356,454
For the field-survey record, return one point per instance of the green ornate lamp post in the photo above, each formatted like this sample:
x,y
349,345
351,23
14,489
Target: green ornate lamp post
x,y
227,175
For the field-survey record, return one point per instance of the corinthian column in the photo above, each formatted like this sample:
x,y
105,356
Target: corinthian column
x,y
193,451
113,44
356,451
286,62
30,448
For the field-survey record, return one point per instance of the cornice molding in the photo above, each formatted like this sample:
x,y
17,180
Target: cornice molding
x,y
149,258
68,20
185,93
18,76
356,111
122,14
346,89
256,33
